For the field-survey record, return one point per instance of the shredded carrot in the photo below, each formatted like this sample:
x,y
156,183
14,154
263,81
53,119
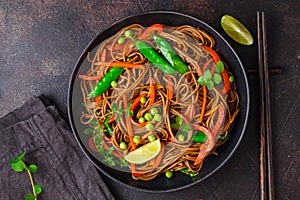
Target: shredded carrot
x,y
121,64
170,92
138,124
213,54
137,101
152,91
98,98
149,30
203,104
133,171
112,119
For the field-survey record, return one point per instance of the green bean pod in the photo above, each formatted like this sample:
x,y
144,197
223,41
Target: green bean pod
x,y
105,82
170,55
154,57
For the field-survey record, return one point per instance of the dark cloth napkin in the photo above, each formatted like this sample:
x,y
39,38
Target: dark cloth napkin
x,y
63,171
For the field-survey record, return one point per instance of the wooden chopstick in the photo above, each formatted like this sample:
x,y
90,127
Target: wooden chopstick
x,y
272,70
266,165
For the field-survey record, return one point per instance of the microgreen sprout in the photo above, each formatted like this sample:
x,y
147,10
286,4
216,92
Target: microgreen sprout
x,y
18,165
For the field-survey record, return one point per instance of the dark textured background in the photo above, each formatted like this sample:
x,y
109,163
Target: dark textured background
x,y
41,40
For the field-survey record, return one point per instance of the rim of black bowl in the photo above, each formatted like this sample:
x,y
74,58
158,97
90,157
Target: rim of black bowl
x,y
94,42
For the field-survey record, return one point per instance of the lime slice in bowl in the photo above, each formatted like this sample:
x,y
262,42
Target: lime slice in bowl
x,y
236,30
144,153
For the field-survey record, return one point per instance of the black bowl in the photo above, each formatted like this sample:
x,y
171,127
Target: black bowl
x,y
211,163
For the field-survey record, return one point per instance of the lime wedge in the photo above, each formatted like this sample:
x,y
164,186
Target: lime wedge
x,y
236,30
144,153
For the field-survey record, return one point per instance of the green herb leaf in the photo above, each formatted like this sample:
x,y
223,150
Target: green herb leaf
x,y
178,120
110,150
123,162
94,122
109,160
129,112
19,158
115,109
88,131
210,85
188,172
224,136
185,127
220,66
175,125
18,166
202,80
38,189
217,78
207,74
32,168
30,196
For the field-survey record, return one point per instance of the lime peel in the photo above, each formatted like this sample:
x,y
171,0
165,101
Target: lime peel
x,y
144,153
236,30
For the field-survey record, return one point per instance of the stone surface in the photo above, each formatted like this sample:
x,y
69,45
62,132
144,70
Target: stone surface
x,y
41,41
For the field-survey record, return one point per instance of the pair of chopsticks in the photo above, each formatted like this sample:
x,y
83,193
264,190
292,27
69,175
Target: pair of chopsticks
x,y
266,169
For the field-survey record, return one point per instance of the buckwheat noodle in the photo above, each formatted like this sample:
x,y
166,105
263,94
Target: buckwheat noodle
x,y
188,98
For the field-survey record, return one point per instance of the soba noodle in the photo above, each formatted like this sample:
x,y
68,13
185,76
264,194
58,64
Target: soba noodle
x,y
186,103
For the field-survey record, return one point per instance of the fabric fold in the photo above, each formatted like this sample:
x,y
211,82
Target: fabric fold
x,y
63,170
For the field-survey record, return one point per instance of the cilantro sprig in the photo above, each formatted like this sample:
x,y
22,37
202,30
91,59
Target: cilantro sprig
x,y
208,79
18,165
107,154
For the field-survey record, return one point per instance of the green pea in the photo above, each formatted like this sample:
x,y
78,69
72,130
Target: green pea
x,y
143,100
181,137
157,117
148,116
142,120
128,33
149,127
231,79
169,174
136,139
114,84
151,138
123,145
153,111
121,40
